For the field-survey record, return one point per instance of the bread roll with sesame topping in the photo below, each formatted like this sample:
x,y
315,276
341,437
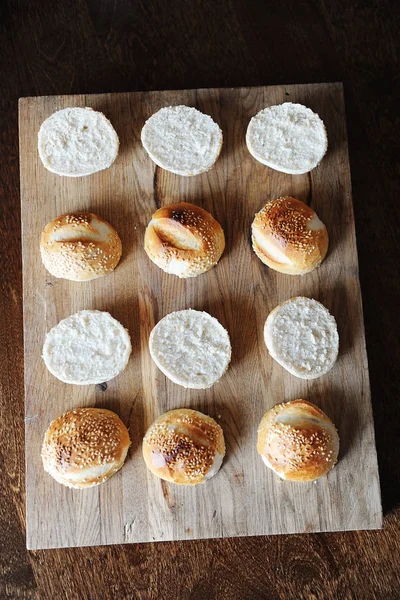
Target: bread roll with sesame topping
x,y
288,236
88,347
298,441
184,240
191,347
85,447
184,446
80,246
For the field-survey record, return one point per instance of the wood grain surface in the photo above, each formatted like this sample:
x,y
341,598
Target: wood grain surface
x,y
245,498
81,46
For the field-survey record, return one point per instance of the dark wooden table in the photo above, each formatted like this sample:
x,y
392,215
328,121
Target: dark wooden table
x,y
78,46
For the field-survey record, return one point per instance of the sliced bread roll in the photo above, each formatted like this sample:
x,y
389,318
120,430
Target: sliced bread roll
x,y
191,348
184,240
77,141
287,137
86,348
80,246
301,335
85,447
183,140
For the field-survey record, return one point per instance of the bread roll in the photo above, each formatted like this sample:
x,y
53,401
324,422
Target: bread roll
x,y
288,236
77,141
183,140
191,348
86,348
85,447
298,441
80,246
301,335
287,137
184,446
184,240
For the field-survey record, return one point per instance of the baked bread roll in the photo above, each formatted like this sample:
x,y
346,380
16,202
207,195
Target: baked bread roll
x,y
183,140
85,447
287,137
301,335
298,441
80,246
77,141
184,240
288,236
86,348
191,348
184,446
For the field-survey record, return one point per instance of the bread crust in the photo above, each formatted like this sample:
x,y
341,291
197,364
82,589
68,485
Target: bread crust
x,y
184,240
84,447
288,236
298,441
181,446
80,246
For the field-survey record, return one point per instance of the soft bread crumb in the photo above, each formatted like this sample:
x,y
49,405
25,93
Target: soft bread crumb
x,y
183,140
88,347
301,335
287,137
77,141
191,348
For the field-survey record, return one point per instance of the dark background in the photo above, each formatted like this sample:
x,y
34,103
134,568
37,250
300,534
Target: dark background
x,y
78,46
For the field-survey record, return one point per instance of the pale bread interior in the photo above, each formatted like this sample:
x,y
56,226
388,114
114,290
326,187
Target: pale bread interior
x,y
77,141
88,347
183,140
191,348
301,335
287,137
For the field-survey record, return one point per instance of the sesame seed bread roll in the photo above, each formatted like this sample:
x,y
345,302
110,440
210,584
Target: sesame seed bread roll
x,y
288,137
184,446
182,140
298,441
80,246
191,348
301,335
85,447
74,142
88,347
184,240
288,236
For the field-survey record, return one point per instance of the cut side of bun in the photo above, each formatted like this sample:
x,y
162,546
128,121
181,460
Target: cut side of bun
x,y
191,348
287,137
85,447
184,446
89,347
301,335
183,140
184,240
298,441
77,141
289,237
80,246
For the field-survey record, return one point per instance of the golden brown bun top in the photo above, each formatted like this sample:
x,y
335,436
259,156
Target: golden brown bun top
x,y
80,246
181,446
298,440
85,446
184,239
289,237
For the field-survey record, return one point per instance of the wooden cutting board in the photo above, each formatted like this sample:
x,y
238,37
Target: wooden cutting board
x,y
245,498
